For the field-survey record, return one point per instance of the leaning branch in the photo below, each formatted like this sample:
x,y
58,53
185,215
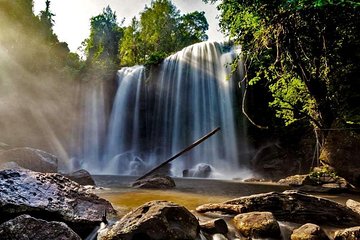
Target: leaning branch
x,y
180,153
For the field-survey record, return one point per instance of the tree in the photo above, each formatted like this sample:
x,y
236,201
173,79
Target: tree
x,y
158,27
26,37
306,50
105,34
130,46
47,22
192,28
161,30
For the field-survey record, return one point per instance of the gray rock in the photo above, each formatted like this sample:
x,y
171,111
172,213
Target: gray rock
x,y
81,176
309,231
348,234
214,226
160,220
26,227
325,182
155,182
353,205
51,197
30,158
295,180
201,170
250,180
219,236
290,206
9,165
257,224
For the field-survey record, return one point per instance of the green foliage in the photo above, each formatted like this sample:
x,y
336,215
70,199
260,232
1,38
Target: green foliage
x,y
30,41
191,29
130,46
318,175
306,50
47,22
105,34
160,31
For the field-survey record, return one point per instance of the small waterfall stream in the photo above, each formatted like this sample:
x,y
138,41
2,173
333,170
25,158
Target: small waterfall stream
x,y
157,113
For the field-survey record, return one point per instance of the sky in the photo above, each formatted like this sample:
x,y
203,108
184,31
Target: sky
x,y
72,17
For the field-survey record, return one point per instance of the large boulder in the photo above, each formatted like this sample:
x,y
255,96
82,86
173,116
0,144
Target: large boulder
x,y
321,180
9,165
353,205
296,180
348,234
214,226
51,197
155,182
160,220
290,206
81,176
309,231
257,224
30,158
26,227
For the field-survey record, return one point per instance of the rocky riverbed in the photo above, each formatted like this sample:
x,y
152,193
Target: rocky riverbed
x,y
49,205
42,206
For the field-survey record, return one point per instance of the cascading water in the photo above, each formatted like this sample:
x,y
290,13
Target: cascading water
x,y
157,115
123,138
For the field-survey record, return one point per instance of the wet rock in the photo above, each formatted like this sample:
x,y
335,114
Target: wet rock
x,y
219,236
155,182
137,166
320,180
214,226
51,197
160,220
222,207
249,180
257,224
309,231
9,165
201,170
26,227
257,180
331,188
296,180
81,176
353,205
348,234
30,158
291,206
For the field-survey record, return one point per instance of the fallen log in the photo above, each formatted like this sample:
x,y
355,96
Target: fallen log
x,y
180,153
291,206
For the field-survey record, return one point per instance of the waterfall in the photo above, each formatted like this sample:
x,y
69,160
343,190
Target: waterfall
x,y
160,111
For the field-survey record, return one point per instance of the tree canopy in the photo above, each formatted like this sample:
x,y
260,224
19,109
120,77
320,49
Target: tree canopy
x,y
160,31
105,34
307,52
30,41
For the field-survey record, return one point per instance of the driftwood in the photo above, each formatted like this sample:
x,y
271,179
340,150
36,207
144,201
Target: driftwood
x,y
214,226
179,153
291,206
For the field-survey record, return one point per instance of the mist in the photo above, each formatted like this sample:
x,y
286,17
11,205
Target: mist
x,y
38,105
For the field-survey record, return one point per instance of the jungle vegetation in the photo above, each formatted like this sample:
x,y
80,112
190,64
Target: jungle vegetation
x,y
305,52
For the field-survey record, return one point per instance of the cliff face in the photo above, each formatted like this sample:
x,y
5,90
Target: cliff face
x,y
342,151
